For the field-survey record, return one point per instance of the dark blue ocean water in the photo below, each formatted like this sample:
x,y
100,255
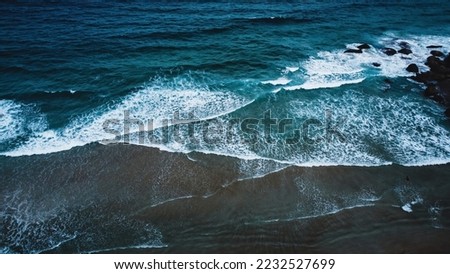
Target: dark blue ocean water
x,y
267,83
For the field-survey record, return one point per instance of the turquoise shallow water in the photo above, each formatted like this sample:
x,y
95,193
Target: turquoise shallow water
x,y
266,83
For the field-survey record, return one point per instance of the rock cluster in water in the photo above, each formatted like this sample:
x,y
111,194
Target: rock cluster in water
x,y
437,79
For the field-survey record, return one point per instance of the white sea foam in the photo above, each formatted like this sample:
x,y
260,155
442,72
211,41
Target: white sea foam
x,y
143,246
315,84
279,81
252,169
71,91
407,208
314,216
11,120
18,120
292,69
409,196
148,104
435,215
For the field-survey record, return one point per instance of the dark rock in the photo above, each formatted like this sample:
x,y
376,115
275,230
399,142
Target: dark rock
x,y
404,45
420,77
447,61
388,81
436,53
433,47
413,68
432,59
431,91
444,86
405,51
439,67
434,93
364,46
439,92
376,64
427,77
353,51
389,51
437,79
434,63
447,112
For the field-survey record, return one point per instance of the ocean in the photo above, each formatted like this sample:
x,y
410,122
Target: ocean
x,y
221,127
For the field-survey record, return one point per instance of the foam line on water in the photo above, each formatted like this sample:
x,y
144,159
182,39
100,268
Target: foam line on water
x,y
278,220
18,120
144,105
278,81
315,84
10,120
144,246
292,69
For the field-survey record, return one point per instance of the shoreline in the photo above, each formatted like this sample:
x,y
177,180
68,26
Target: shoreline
x,y
165,199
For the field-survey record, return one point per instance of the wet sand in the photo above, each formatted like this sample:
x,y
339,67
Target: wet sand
x,y
131,199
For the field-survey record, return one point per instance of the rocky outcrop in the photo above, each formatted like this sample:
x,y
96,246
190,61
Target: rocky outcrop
x,y
436,53
389,51
438,66
412,68
447,61
359,49
364,46
405,51
353,51
404,45
437,79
